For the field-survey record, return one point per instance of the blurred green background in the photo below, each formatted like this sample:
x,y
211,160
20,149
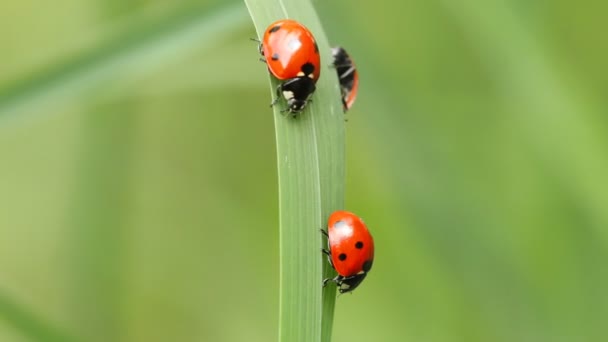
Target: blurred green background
x,y
138,196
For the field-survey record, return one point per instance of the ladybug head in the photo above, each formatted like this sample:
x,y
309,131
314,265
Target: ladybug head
x,y
297,92
348,284
295,105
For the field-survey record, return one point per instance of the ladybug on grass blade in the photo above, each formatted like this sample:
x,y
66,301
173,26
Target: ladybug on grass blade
x,y
351,250
292,55
347,75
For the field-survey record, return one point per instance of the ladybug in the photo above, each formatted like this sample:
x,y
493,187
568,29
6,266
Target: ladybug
x,y
347,75
292,55
351,250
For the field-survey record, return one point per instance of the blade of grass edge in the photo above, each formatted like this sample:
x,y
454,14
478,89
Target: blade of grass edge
x,y
310,158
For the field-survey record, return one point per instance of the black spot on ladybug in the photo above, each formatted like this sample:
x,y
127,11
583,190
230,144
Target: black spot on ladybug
x,y
342,257
359,245
275,56
274,29
308,68
316,48
367,265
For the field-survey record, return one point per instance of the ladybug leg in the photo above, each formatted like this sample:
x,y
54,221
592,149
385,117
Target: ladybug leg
x,y
328,253
328,258
279,87
338,280
260,48
279,94
279,90
325,251
274,102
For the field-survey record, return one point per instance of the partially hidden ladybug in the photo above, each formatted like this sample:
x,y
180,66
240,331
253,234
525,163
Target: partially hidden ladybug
x,y
347,75
351,250
292,55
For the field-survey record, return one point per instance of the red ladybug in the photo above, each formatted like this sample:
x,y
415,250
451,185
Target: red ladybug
x,y
351,250
292,55
348,76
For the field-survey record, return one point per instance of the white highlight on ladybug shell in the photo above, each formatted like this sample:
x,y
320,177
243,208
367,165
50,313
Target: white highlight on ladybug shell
x,y
294,44
342,230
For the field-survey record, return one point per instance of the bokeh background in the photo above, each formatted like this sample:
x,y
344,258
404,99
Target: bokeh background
x,y
138,196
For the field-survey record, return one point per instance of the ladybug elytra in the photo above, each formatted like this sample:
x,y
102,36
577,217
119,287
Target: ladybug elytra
x,y
351,250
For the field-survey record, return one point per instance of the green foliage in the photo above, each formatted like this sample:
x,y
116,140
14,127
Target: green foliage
x,y
138,173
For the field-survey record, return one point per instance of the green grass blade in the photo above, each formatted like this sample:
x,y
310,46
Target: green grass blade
x,y
310,156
